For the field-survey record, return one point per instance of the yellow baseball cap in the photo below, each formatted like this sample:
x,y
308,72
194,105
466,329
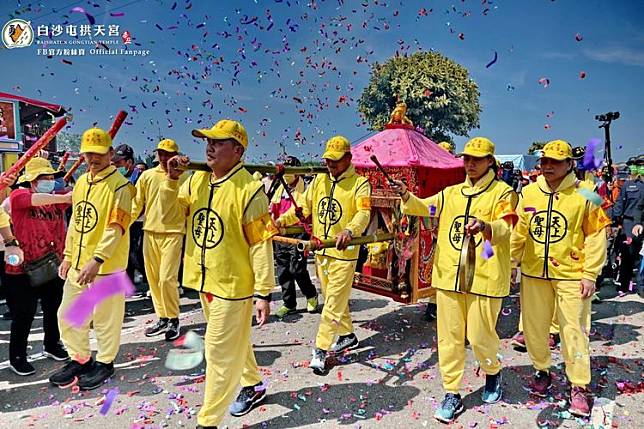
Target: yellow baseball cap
x,y
168,145
224,130
336,148
557,149
478,147
96,140
37,166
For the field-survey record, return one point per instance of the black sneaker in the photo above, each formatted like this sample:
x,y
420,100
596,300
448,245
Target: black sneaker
x,y
22,367
345,342
158,328
57,352
69,374
450,408
172,333
430,312
97,376
206,427
248,397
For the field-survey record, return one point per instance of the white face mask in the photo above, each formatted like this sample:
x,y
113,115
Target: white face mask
x,y
45,186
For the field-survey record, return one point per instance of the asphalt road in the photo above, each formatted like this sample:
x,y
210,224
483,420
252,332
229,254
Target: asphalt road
x,y
391,381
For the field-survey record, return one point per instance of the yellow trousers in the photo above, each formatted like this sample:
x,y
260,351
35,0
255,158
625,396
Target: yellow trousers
x,y
162,254
554,324
107,320
460,315
229,355
539,298
336,281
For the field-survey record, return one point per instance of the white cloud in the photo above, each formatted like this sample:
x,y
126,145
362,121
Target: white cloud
x,y
622,55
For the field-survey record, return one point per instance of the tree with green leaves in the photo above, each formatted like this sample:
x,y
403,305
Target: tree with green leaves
x,y
536,147
441,97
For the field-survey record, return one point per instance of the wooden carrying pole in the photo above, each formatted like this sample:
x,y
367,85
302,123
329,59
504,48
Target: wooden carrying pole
x,y
265,169
308,245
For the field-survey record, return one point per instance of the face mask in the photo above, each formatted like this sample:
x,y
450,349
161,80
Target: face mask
x,y
122,170
45,186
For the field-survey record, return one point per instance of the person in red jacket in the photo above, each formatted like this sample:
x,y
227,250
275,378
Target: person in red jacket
x,y
39,224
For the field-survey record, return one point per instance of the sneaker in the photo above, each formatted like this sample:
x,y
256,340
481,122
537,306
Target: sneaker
x,y
248,397
318,361
580,402
283,311
553,341
158,328
450,408
69,374
96,376
312,304
22,367
57,352
345,342
518,341
173,330
492,392
540,384
206,427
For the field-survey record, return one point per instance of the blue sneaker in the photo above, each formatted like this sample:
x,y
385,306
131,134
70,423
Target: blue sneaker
x,y
450,408
248,397
492,392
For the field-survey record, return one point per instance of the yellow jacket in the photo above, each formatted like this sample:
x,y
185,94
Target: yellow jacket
x,y
559,235
490,200
100,221
335,205
228,248
5,221
159,218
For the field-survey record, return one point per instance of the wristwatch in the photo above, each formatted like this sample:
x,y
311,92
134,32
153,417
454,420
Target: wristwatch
x,y
263,297
99,260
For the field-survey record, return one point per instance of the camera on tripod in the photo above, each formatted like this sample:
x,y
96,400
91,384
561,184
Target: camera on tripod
x,y
607,117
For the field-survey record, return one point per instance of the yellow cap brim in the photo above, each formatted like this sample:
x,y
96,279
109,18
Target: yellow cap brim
x,y
474,153
102,150
31,177
215,135
333,155
555,156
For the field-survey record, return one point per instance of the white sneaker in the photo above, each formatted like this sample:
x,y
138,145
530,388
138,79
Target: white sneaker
x,y
318,360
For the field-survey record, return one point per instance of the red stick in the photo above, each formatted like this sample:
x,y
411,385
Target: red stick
x,y
73,168
63,161
118,121
36,148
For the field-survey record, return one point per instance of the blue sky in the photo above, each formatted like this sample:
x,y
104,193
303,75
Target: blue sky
x,y
214,59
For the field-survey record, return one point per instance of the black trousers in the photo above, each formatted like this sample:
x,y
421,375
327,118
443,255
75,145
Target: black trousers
x,y
629,257
135,258
291,268
23,302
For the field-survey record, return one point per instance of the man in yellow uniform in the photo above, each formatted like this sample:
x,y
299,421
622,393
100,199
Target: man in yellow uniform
x,y
340,204
97,244
229,259
484,208
560,244
164,228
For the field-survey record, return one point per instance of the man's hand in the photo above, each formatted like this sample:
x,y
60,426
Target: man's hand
x,y
586,288
400,188
174,164
63,269
637,230
14,250
262,311
343,239
513,277
89,272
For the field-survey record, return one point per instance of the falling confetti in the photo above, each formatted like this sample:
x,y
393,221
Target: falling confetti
x,y
496,56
